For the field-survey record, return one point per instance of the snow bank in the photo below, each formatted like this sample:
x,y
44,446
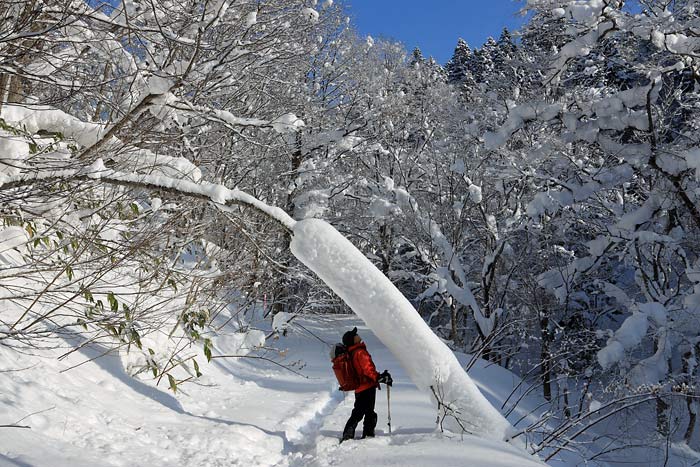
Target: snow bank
x,y
427,360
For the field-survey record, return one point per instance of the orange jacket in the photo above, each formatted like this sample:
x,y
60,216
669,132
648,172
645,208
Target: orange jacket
x,y
363,364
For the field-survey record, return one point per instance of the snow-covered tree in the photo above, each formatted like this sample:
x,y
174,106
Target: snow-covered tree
x,y
614,182
458,66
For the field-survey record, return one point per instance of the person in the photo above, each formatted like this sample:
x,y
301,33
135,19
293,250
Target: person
x,y
366,392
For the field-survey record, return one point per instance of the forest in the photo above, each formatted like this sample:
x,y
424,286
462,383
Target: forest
x,y
535,198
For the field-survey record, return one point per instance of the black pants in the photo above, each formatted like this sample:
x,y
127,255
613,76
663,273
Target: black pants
x,y
364,407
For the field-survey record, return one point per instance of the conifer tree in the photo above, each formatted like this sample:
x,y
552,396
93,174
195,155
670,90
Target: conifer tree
x,y
483,63
458,66
416,57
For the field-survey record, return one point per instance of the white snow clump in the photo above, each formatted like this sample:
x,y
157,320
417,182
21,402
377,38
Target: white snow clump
x,y
287,123
310,14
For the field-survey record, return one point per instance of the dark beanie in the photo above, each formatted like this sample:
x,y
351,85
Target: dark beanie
x,y
349,337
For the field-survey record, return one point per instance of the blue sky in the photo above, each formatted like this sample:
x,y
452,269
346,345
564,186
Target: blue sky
x,y
435,25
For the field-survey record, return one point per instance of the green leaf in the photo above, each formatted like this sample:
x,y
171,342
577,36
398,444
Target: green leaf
x,y
134,208
113,303
171,283
207,349
173,383
203,317
88,296
196,368
152,362
69,272
136,338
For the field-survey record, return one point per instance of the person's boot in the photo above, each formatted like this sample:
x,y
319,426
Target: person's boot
x,y
348,432
368,427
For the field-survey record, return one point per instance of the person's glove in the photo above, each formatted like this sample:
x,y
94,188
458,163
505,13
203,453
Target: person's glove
x,y
385,378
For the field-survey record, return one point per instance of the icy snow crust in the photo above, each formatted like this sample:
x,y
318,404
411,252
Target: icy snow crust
x,y
427,360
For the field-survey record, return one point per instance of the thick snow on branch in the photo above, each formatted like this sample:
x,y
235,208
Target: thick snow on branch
x,y
286,123
97,171
517,118
631,333
217,193
34,118
372,296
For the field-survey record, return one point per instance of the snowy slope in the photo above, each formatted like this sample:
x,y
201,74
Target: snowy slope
x,y
243,412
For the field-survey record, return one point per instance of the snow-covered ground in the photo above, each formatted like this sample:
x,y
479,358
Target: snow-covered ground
x,y
242,412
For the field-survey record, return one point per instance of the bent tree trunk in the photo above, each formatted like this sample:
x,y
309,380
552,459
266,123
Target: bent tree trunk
x,y
429,362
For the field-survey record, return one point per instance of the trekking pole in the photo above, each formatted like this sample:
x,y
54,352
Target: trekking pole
x,y
388,406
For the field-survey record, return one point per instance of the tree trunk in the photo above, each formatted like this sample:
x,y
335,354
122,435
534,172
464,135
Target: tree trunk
x,y
567,408
385,242
692,418
98,106
690,372
16,92
4,79
454,324
545,356
284,293
662,418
